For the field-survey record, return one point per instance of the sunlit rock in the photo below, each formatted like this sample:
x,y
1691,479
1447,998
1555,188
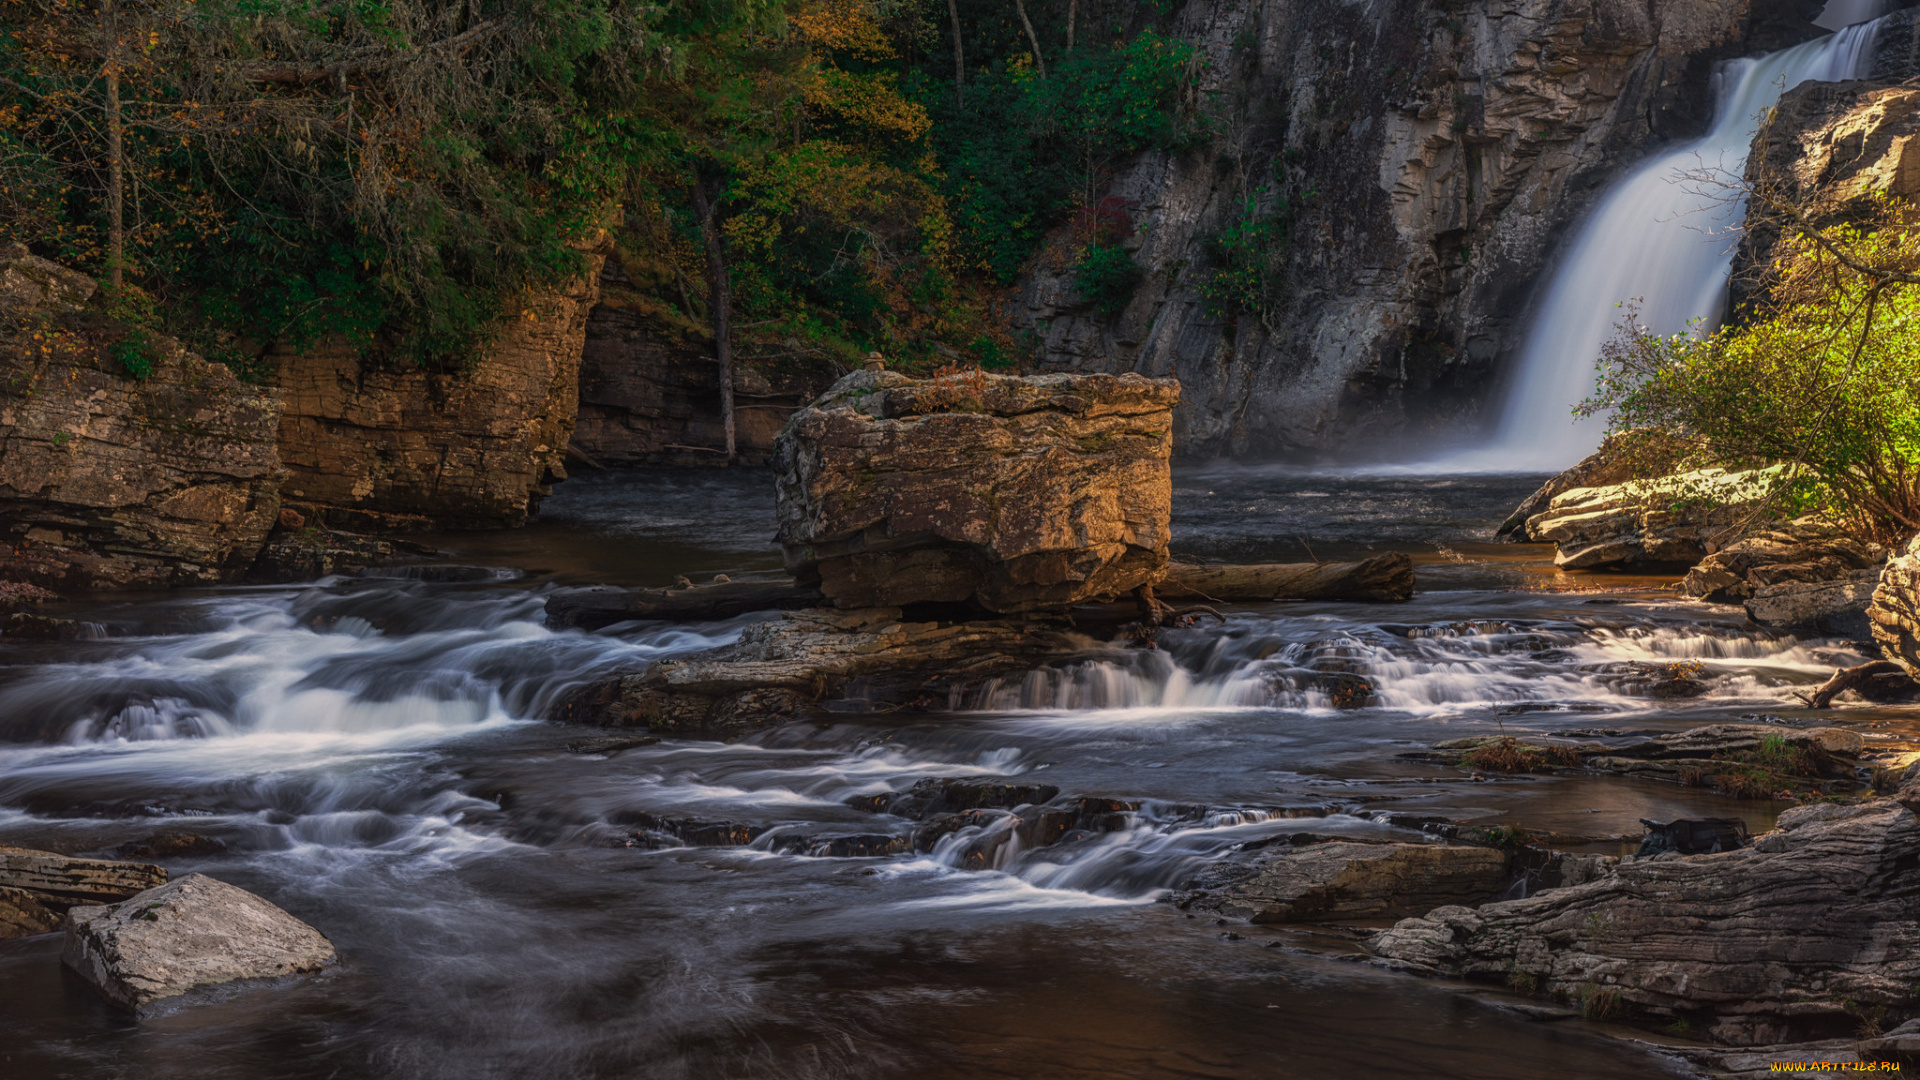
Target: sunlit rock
x,y
1012,494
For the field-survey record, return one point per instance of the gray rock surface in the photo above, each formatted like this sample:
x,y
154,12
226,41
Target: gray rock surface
x,y
1666,521
1432,155
1811,923
191,933
1894,613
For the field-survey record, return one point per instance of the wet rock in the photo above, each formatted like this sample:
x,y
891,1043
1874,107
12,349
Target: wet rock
x,y
694,832
1671,520
112,481
1711,739
311,552
192,933
854,846
23,914
597,608
62,880
939,795
610,744
1693,836
1012,494
470,447
778,669
1807,551
1894,613
1769,943
33,626
1344,880
171,845
1383,578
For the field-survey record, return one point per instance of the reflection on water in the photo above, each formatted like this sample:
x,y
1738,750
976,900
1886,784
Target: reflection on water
x,y
369,752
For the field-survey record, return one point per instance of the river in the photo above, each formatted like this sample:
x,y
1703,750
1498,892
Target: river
x,y
368,750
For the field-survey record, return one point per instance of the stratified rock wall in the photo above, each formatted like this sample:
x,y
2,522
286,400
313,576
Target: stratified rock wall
x,y
468,449
651,396
1432,155
1894,613
1008,493
111,481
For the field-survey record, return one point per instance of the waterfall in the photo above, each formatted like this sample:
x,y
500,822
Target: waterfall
x,y
1657,239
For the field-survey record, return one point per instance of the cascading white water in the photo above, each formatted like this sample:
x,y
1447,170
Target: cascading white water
x,y
1663,238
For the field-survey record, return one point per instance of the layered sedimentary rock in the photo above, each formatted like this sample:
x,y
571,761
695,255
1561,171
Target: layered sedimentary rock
x,y
1007,493
1808,573
1793,935
37,886
191,933
469,448
1674,519
108,480
806,658
1894,613
1339,881
650,388
1422,159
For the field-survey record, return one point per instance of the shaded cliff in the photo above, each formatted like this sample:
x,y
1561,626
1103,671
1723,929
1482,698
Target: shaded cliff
x,y
125,460
1413,166
472,448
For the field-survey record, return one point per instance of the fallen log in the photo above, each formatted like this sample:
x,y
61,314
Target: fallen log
x,y
721,598
62,881
1881,682
1383,577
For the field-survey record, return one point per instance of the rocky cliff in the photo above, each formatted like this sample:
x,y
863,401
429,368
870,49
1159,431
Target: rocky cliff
x,y
650,393
108,480
1425,159
472,448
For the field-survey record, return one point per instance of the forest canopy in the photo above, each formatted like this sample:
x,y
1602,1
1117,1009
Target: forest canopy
x,y
857,173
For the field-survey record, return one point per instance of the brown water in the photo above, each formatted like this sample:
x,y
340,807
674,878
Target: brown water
x,y
366,749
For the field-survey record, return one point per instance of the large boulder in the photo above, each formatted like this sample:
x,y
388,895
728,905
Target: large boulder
x,y
1666,521
108,480
1012,494
188,934
1795,934
1894,613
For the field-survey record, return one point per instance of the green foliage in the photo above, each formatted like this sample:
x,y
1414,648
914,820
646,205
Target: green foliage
x,y
1107,275
1826,379
136,352
1247,258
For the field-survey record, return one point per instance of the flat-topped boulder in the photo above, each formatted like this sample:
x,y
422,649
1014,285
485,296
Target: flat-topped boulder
x,y
1010,494
1671,520
1348,880
191,933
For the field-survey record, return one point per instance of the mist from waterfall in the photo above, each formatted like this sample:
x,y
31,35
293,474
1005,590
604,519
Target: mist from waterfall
x,y
1662,239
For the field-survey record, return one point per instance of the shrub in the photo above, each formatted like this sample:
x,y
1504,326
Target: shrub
x,y
1246,259
1107,276
136,353
1510,755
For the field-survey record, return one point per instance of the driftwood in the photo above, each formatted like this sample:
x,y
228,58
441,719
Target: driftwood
x,y
718,599
1383,577
1881,682
62,881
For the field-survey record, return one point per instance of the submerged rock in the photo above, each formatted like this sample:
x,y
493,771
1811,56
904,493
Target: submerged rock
x,y
1767,943
22,914
191,933
1011,494
1343,880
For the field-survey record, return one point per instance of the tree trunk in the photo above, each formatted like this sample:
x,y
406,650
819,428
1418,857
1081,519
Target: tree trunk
x,y
1032,38
116,165
1073,12
959,56
719,306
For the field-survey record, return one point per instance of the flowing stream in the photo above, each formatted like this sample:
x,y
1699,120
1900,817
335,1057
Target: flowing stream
x,y
368,750
1660,245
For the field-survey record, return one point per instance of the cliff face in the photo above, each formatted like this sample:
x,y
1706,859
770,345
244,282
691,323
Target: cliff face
x,y
1430,155
108,481
650,396
468,449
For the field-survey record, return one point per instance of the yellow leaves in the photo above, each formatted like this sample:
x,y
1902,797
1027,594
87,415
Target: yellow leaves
x,y
846,25
872,101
